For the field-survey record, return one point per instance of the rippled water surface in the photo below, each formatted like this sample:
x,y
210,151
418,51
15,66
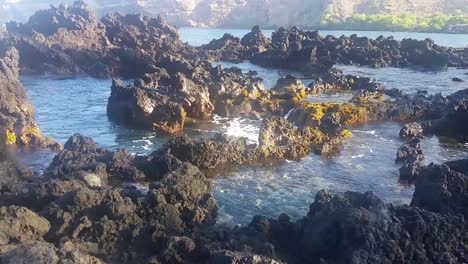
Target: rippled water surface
x,y
67,105
413,80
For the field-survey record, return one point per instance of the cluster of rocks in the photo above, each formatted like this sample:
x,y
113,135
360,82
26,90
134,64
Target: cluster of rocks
x,y
444,116
70,39
410,154
309,52
197,90
279,140
82,212
80,205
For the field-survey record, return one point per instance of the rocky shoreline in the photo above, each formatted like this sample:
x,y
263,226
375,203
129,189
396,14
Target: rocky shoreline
x,y
94,205
80,211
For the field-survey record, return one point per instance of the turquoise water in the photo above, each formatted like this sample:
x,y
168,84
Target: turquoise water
x,y
70,104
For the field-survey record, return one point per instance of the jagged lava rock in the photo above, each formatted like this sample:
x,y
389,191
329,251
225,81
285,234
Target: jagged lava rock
x,y
16,112
145,108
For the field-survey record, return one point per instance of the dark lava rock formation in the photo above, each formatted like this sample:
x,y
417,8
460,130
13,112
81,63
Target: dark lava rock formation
x,y
311,53
412,130
453,120
145,108
278,140
16,112
70,39
80,213
81,202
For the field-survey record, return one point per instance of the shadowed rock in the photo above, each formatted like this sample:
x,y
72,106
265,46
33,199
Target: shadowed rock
x,y
145,108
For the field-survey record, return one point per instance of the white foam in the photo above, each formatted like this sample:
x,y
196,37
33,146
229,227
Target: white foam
x,y
288,114
372,132
236,127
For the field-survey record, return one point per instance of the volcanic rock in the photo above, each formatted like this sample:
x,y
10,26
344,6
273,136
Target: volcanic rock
x,y
145,108
16,112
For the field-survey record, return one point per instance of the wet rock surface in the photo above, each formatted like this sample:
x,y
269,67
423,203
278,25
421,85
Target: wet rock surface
x,y
442,188
279,140
410,152
411,155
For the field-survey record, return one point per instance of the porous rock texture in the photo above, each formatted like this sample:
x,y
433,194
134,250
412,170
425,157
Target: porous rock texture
x,y
16,112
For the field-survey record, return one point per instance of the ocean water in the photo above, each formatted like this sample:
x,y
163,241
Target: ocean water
x,y
77,104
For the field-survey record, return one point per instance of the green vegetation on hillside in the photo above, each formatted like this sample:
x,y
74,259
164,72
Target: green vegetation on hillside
x,y
404,22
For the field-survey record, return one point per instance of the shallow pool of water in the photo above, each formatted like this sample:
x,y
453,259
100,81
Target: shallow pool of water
x,y
365,163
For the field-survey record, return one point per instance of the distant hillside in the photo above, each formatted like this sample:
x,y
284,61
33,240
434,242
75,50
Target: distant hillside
x,y
305,13
356,14
21,10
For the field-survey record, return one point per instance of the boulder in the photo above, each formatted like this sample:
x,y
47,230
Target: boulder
x,y
439,188
19,224
145,108
256,40
290,88
410,152
453,116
